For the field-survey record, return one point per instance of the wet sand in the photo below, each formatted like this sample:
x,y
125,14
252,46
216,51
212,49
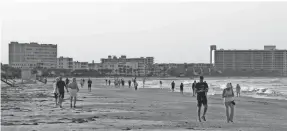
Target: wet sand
x,y
32,107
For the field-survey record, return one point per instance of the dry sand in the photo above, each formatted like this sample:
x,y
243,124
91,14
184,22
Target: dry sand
x,y
31,107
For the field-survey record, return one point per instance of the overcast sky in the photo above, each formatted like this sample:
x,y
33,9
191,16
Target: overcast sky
x,y
173,32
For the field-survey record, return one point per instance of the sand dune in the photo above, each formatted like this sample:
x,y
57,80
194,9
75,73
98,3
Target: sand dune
x,y
107,108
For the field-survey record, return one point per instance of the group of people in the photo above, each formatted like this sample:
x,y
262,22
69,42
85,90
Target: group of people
x,y
200,89
121,82
173,86
72,88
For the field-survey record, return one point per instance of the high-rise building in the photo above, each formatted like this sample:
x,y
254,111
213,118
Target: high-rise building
x,y
65,63
31,55
268,59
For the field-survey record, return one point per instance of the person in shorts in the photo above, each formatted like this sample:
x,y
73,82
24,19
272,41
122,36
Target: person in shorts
x,y
74,89
61,85
201,89
55,91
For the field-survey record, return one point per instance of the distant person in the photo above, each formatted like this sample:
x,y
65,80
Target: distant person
x,y
61,85
56,91
136,86
74,89
82,83
115,82
106,81
172,86
143,82
160,83
129,82
134,81
228,97
181,88
238,88
89,85
45,80
231,85
193,88
109,82
201,90
123,82
67,81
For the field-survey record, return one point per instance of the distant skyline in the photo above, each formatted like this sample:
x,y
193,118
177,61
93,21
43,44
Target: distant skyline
x,y
174,32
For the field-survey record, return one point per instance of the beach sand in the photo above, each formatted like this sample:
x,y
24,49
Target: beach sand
x,y
32,107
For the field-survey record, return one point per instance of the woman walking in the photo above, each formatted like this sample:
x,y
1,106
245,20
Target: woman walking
x,y
228,97
55,92
73,92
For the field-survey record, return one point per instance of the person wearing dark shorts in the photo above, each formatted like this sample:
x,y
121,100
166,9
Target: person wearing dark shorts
x,y
60,85
201,89
89,85
109,82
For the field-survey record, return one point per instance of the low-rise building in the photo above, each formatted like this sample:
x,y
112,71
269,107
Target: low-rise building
x,y
65,63
80,65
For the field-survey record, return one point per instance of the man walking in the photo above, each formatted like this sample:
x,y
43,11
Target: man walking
x,y
89,85
60,85
201,89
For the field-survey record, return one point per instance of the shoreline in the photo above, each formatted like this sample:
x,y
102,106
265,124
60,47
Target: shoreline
x,y
107,107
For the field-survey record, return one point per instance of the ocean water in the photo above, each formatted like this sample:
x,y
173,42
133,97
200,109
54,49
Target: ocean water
x,y
270,88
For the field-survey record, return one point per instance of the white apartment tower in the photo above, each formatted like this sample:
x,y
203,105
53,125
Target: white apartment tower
x,y
31,55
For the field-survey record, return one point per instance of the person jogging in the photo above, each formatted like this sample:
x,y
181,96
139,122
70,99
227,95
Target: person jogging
x,y
193,88
61,85
89,85
172,86
201,89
